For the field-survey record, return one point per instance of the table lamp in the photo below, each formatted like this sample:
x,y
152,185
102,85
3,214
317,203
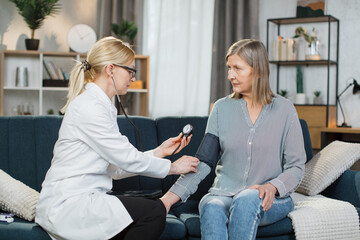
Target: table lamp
x,y
356,89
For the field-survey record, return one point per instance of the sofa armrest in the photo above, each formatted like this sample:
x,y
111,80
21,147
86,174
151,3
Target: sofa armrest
x,y
346,188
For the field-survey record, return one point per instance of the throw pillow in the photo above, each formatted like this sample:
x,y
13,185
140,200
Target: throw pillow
x,y
327,165
17,198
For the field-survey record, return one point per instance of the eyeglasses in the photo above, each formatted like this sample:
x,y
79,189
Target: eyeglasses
x,y
131,70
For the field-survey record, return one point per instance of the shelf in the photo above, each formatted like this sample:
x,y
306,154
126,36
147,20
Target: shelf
x,y
316,115
22,88
137,90
55,88
66,89
325,18
23,53
314,105
341,130
53,96
305,62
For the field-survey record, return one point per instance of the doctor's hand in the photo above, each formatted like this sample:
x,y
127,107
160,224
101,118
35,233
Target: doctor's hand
x,y
183,165
169,146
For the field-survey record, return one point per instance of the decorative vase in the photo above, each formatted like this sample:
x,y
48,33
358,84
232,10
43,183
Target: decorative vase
x,y
317,100
300,98
312,51
32,44
21,77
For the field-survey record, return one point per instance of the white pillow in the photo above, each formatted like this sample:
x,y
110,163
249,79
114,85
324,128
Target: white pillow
x,y
327,165
17,198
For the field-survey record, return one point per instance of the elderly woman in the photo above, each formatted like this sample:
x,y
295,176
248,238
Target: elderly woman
x,y
262,157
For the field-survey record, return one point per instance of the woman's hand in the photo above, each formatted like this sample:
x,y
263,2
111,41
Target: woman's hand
x,y
267,193
183,165
169,146
169,199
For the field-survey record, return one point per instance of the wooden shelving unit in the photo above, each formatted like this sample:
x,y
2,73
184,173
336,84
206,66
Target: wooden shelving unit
x,y
44,98
317,116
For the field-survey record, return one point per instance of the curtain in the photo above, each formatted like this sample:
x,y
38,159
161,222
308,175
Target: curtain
x,y
178,39
233,20
114,11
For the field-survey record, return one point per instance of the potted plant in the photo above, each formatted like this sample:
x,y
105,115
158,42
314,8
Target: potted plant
x,y
126,31
283,93
34,13
317,98
300,95
313,43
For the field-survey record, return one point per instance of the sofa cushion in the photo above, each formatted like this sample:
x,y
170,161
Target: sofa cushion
x,y
148,135
4,146
22,153
346,188
47,131
22,230
282,227
16,197
307,140
327,165
174,229
172,126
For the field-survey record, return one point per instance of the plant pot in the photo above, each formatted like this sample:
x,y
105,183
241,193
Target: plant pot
x,y
300,98
32,44
312,51
317,100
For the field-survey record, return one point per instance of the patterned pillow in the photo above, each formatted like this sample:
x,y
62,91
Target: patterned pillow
x,y
327,165
17,198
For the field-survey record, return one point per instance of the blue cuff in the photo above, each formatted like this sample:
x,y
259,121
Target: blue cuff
x,y
208,151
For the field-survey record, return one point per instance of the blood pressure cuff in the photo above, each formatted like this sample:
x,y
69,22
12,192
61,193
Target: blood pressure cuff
x,y
208,151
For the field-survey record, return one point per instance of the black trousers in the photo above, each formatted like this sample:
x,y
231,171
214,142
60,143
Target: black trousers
x,y
149,217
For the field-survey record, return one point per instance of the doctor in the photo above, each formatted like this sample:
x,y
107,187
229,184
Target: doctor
x,y
90,152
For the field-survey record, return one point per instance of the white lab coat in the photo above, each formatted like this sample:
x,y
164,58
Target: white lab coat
x,y
90,151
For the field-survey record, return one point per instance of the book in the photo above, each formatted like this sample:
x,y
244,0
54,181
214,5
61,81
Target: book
x,y
276,50
49,70
60,74
291,50
54,70
65,75
283,50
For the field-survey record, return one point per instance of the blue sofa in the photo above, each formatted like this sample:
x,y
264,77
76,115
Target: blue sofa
x,y
26,151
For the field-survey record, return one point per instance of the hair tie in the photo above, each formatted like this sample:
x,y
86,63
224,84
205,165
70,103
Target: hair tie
x,y
85,65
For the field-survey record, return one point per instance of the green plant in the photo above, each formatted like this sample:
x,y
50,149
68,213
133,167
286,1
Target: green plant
x,y
126,31
283,92
317,93
300,31
35,11
50,111
299,80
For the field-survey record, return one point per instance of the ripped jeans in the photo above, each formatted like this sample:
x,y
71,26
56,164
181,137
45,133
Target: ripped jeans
x,y
238,217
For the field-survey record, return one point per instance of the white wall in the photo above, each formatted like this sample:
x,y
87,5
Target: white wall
x,y
53,33
349,50
13,31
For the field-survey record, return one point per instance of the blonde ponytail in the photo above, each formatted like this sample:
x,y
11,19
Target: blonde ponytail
x,y
108,50
76,84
